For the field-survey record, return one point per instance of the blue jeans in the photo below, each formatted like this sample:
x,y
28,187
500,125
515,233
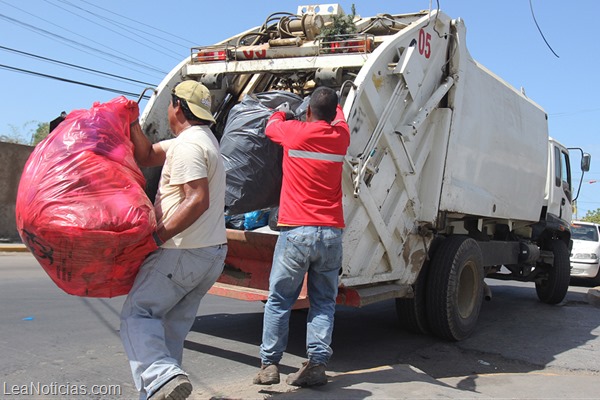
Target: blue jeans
x,y
161,308
317,251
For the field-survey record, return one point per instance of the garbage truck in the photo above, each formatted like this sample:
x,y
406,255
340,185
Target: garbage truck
x,y
450,178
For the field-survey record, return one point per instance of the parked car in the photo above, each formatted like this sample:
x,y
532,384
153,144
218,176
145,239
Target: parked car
x,y
585,255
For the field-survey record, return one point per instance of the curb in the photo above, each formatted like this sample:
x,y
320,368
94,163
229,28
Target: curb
x,y
593,296
13,248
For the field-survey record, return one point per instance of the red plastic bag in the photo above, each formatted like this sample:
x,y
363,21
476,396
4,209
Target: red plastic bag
x,y
81,207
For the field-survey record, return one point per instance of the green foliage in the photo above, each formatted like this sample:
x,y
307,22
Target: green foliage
x,y
26,135
592,216
340,25
41,132
10,139
16,135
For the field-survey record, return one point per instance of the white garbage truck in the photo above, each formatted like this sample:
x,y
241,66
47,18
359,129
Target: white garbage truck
x,y
450,177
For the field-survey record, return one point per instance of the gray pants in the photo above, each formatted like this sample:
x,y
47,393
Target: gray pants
x,y
161,308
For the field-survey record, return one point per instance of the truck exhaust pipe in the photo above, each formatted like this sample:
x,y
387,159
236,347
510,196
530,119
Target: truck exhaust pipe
x,y
487,292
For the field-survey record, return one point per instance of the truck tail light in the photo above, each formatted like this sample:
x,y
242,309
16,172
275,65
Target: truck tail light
x,y
202,55
347,44
351,46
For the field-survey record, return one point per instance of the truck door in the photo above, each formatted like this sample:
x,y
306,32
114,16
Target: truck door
x,y
561,190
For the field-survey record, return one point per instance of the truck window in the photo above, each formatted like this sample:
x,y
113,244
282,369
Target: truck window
x,y
566,174
557,167
562,172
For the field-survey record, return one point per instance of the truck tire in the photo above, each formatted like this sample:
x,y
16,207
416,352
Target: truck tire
x,y
411,312
553,288
455,288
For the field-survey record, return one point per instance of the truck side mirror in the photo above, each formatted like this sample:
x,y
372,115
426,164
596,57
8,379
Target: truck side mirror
x,y
586,160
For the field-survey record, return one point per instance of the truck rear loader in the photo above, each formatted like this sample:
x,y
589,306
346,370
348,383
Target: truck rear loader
x,y
450,177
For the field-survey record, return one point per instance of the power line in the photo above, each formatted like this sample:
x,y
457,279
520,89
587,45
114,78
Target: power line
x,y
135,30
95,54
172,55
143,24
58,78
96,50
74,65
540,30
566,114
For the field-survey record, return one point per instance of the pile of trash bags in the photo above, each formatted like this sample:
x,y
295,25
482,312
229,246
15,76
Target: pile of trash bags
x,y
81,207
252,161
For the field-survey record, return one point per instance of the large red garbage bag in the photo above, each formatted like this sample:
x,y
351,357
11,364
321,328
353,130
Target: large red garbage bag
x,y
81,207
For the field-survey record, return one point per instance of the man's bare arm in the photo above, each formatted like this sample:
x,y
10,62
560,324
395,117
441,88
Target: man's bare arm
x,y
194,204
146,154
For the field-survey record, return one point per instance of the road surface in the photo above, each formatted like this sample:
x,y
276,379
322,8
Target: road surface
x,y
521,349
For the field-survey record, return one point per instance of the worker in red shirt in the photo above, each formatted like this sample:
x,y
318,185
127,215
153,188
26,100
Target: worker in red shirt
x,y
311,220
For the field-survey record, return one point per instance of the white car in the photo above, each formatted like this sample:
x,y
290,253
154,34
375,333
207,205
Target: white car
x,y
585,255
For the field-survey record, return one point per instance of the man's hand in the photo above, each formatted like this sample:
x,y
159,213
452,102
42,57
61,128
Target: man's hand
x,y
285,107
133,109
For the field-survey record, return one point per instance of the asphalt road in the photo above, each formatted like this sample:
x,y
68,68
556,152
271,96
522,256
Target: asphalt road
x,y
52,342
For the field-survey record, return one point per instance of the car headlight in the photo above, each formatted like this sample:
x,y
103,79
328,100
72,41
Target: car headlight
x,y
585,256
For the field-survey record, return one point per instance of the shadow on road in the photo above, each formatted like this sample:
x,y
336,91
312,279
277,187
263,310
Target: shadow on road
x,y
516,334
582,282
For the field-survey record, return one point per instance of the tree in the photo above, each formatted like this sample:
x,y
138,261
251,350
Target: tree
x,y
41,132
10,139
15,136
592,216
26,135
340,25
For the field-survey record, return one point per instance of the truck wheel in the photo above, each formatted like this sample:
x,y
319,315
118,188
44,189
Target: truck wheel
x,y
455,288
412,314
553,288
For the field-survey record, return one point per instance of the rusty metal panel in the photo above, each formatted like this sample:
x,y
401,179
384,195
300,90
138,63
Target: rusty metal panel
x,y
249,259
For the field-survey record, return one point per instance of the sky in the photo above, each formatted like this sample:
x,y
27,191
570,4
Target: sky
x,y
138,42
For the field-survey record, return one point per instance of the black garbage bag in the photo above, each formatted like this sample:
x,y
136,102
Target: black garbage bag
x,y
252,161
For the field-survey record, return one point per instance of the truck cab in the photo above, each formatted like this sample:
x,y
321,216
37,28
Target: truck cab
x,y
561,192
559,188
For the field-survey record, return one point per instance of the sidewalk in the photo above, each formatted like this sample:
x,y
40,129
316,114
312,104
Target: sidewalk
x,y
405,382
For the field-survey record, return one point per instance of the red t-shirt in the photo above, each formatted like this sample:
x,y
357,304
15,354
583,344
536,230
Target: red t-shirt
x,y
313,155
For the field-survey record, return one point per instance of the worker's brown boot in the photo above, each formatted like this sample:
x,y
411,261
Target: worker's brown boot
x,y
268,375
308,375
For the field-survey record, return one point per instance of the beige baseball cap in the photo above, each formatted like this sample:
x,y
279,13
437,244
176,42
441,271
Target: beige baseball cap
x,y
197,97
